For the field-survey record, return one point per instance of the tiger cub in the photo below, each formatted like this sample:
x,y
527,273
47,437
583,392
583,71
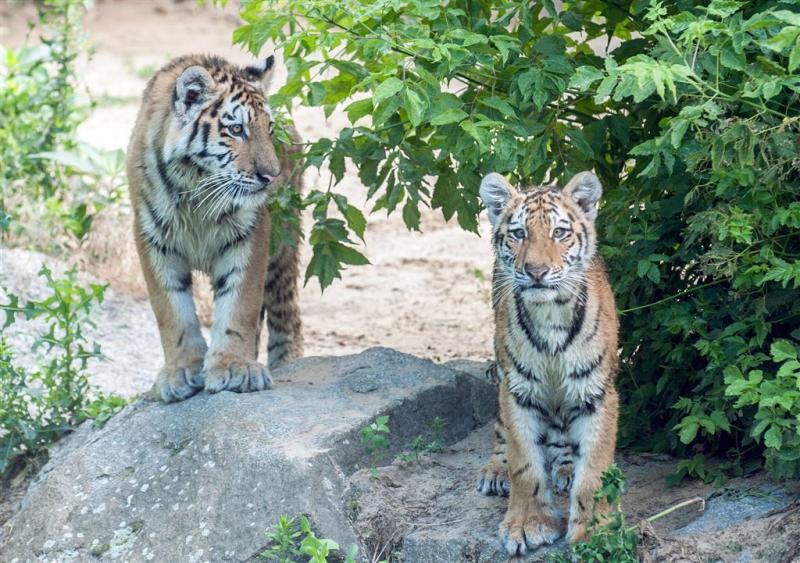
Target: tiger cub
x,y
201,164
556,352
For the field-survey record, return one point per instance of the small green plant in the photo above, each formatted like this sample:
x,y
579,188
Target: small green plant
x,y
776,401
39,405
289,540
431,443
375,439
282,541
609,540
39,107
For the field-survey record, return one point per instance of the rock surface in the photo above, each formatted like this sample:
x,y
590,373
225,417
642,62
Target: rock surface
x,y
205,479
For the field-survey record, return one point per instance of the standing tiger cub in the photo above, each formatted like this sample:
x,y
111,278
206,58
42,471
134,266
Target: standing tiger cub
x,y
556,352
201,164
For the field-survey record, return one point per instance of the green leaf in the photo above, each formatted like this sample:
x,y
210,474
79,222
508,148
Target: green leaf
x,y
386,89
773,438
584,77
415,107
789,369
452,115
794,56
679,127
505,153
500,105
642,267
730,58
353,215
785,38
349,255
359,109
689,432
782,350
336,165
786,16
480,134
411,215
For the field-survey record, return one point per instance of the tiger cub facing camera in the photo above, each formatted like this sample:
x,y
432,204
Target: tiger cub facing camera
x,y
201,164
556,352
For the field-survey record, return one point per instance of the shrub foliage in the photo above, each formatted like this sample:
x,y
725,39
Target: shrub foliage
x,y
39,405
50,186
688,112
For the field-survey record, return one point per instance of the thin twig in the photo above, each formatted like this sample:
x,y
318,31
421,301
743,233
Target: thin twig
x,y
672,509
671,297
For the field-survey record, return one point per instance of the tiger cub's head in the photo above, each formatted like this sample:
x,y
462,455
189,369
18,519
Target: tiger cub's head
x,y
544,237
223,129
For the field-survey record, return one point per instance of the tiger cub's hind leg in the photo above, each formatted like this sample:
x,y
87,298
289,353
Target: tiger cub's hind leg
x,y
493,479
281,292
282,307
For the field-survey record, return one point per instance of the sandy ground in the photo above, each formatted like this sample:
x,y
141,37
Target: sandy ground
x,y
433,502
424,293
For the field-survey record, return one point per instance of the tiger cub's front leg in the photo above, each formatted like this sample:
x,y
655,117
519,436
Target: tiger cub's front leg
x,y
238,280
597,436
532,518
169,285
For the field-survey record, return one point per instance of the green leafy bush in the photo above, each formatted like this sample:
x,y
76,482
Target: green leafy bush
x,y
50,185
690,119
40,405
703,237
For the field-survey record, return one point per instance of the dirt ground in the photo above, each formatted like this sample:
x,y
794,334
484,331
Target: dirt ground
x,y
424,293
430,505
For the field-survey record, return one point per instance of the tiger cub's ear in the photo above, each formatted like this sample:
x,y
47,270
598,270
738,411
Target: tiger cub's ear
x,y
495,193
262,72
193,90
585,190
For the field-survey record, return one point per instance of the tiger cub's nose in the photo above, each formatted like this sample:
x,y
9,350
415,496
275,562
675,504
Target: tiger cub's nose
x,y
264,178
537,272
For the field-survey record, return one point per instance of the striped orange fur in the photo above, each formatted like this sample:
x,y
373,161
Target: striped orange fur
x,y
201,165
556,353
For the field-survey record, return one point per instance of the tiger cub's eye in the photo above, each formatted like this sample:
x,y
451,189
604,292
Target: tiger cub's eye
x,y
518,234
236,129
560,232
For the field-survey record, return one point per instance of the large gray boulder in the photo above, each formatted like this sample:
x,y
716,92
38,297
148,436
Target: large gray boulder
x,y
204,479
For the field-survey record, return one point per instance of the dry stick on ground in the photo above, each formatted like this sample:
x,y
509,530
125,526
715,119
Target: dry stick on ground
x,y
671,509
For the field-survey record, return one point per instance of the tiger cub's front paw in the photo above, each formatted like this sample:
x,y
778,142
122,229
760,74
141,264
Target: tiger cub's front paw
x,y
240,376
525,530
176,383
